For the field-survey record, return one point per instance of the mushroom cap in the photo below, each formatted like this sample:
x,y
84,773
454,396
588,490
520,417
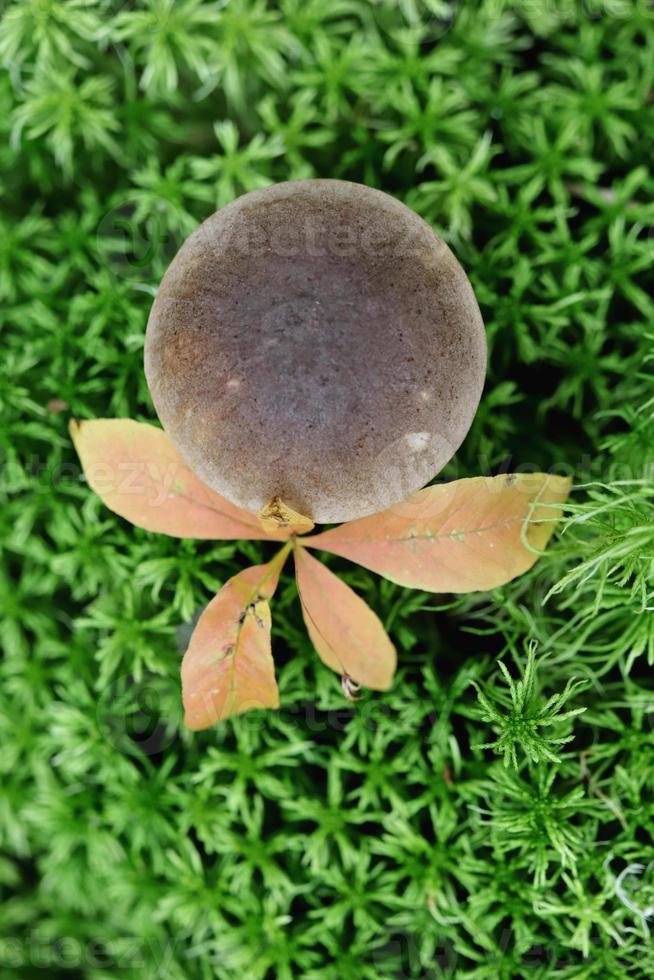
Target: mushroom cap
x,y
318,342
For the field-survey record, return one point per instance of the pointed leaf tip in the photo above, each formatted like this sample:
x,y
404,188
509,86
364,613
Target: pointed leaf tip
x,y
137,472
466,536
228,667
347,635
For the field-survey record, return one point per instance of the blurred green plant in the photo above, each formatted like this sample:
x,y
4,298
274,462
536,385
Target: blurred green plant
x,y
330,841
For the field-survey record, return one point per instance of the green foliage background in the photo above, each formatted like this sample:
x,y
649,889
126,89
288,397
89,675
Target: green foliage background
x,y
473,822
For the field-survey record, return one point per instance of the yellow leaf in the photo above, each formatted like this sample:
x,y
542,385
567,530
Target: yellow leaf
x,y
228,666
465,536
137,472
348,636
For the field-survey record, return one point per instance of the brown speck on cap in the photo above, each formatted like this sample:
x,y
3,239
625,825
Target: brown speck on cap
x,y
316,341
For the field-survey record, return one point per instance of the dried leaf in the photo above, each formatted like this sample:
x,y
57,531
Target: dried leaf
x,y
228,667
139,475
464,536
346,633
277,516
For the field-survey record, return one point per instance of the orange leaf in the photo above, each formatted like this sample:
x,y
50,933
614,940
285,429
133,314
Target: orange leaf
x,y
139,474
228,666
346,633
464,536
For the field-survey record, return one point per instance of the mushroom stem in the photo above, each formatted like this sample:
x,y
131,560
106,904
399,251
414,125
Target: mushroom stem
x,y
277,516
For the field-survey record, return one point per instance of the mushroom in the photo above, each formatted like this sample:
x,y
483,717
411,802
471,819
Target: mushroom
x,y
315,342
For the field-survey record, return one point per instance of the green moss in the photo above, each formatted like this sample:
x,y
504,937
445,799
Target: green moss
x,y
389,838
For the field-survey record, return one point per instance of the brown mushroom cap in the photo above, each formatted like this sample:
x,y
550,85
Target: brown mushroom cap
x,y
318,342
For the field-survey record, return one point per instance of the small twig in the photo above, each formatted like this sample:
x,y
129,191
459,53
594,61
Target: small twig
x,y
350,687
